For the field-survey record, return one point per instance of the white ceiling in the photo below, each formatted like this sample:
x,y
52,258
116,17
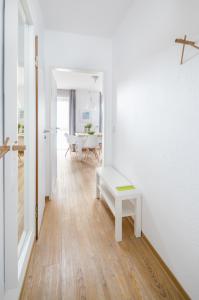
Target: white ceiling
x,y
90,17
67,79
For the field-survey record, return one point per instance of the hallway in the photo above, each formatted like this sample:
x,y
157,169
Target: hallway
x,y
77,257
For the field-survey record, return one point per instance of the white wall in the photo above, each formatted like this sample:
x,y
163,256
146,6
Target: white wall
x,y
76,80
81,53
157,127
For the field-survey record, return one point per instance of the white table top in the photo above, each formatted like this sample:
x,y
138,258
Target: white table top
x,y
83,134
114,179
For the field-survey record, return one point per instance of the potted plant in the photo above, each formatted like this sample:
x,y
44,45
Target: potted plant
x,y
88,127
19,128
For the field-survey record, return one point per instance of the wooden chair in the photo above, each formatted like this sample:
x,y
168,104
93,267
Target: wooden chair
x,y
72,144
90,146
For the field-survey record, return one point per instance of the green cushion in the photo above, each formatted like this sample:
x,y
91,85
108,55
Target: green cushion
x,y
125,188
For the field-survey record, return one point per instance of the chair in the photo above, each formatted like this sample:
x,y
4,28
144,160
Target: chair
x,y
72,143
91,145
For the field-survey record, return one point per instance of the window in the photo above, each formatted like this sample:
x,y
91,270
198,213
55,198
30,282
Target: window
x,y
62,121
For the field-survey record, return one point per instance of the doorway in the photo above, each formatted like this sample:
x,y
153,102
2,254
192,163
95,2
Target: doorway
x,y
79,119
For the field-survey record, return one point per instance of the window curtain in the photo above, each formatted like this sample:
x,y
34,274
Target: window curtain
x,y
100,112
72,112
62,93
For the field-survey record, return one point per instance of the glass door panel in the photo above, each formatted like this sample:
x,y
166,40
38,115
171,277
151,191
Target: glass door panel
x,y
21,85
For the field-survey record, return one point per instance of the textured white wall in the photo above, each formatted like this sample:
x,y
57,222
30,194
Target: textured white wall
x,y
81,52
156,127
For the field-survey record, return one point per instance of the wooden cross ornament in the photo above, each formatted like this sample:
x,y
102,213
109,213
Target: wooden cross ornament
x,y
185,42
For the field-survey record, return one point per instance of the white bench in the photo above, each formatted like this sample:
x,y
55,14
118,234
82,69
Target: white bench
x,y
121,203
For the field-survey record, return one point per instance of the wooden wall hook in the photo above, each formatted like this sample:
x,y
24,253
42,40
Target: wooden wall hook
x,y
185,42
4,148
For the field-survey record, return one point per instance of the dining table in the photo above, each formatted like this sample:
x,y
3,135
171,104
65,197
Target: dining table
x,y
84,134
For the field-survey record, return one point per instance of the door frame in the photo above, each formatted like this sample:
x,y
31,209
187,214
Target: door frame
x,y
106,123
37,138
53,132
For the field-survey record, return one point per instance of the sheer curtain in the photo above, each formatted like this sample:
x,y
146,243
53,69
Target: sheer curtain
x,y
100,112
71,96
72,112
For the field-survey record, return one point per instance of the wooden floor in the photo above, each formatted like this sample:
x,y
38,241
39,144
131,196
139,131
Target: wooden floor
x,y
77,257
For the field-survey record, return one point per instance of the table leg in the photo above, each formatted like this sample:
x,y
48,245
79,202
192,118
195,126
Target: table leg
x,y
97,186
80,152
138,217
118,220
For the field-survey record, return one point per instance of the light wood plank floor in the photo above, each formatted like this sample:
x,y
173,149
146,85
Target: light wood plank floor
x,y
77,257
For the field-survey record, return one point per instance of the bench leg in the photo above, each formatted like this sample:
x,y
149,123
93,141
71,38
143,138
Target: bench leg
x,y
97,188
138,217
118,220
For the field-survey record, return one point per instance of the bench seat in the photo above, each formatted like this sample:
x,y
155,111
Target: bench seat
x,y
123,203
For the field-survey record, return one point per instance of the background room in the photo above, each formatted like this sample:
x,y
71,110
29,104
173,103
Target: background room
x,y
79,110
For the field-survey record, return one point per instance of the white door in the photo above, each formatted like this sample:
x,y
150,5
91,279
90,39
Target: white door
x,y
1,159
18,124
53,140
10,130
41,139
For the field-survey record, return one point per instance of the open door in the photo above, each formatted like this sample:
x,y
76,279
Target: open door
x,y
17,117
10,160
53,140
1,158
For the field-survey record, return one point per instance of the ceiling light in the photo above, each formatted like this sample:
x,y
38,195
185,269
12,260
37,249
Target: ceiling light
x,y
95,77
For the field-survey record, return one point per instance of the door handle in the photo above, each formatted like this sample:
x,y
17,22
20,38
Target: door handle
x,y
5,148
46,131
20,148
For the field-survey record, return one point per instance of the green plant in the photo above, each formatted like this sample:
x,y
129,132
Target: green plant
x,y
88,125
20,128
